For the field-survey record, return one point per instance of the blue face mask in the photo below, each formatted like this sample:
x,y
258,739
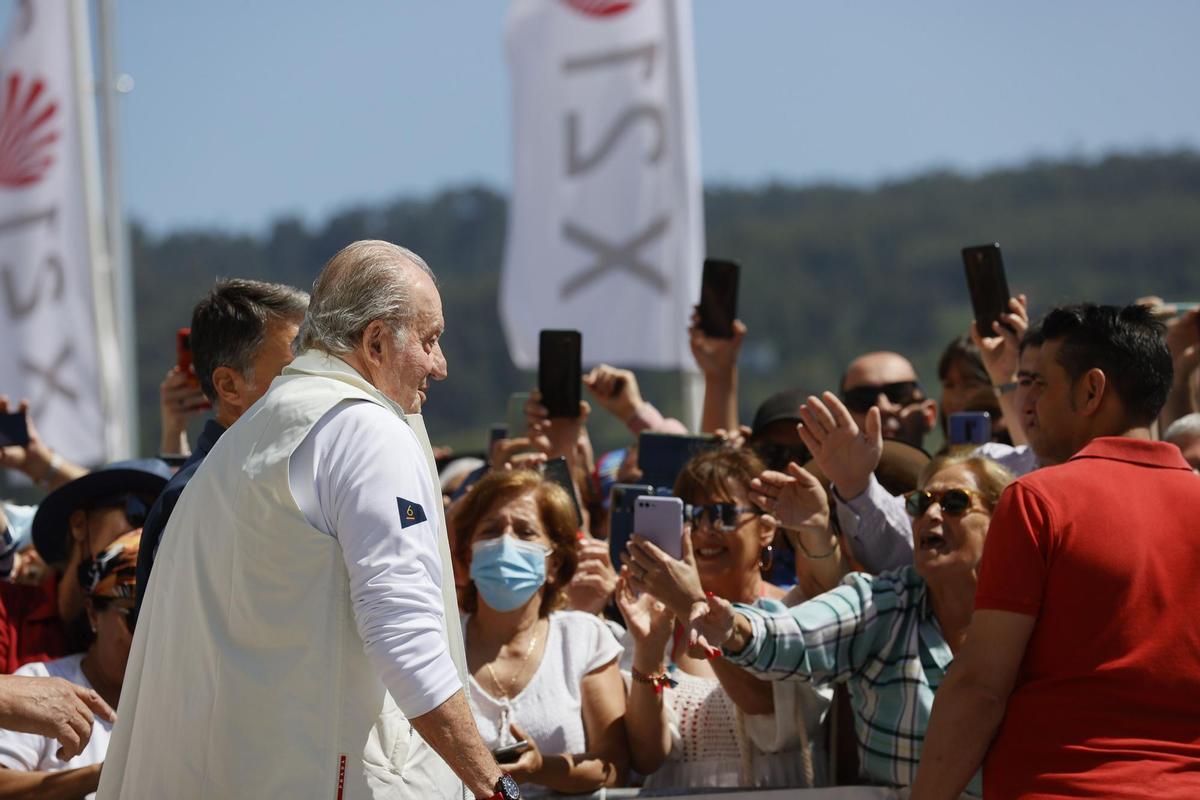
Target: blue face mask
x,y
507,572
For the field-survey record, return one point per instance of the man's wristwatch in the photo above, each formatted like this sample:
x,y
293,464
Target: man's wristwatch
x,y
506,789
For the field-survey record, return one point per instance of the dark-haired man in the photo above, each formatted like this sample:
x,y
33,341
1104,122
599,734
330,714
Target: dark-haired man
x,y
1077,678
242,334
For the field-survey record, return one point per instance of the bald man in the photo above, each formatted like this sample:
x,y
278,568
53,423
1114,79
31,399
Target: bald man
x,y
888,381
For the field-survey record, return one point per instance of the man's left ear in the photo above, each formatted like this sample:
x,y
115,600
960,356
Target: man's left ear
x,y
1093,386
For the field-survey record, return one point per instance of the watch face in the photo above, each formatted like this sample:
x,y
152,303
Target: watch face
x,y
508,788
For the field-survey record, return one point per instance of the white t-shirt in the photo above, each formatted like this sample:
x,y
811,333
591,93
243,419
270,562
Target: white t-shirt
x,y
550,707
357,476
29,752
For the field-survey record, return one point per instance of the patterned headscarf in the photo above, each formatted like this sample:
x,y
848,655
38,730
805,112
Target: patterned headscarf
x,y
112,573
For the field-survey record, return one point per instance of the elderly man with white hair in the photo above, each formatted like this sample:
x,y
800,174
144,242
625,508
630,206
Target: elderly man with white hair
x,y
300,635
1184,433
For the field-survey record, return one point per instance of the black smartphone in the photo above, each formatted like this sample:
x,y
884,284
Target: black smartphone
x,y
560,374
556,470
496,432
661,456
970,427
510,752
987,285
620,516
13,430
718,297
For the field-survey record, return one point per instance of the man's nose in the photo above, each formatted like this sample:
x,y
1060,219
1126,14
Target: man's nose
x,y
886,406
440,368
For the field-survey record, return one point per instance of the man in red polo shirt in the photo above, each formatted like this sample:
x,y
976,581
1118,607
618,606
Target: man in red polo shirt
x,y
1080,676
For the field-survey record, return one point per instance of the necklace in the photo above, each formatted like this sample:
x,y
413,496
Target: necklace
x,y
512,684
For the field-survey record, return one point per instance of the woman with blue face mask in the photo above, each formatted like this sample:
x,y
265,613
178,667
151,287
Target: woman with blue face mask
x,y
540,676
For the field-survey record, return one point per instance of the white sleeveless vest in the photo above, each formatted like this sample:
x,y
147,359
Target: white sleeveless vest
x,y
247,676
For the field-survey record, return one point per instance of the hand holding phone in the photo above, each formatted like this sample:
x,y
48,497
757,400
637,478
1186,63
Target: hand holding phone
x,y
660,520
510,752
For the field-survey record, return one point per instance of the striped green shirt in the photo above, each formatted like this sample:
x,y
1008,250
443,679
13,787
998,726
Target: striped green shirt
x,y
877,633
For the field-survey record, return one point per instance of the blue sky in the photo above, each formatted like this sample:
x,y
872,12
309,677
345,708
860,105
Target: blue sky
x,y
244,110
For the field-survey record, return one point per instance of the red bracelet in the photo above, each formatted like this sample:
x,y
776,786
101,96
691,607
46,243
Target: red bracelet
x,y
659,680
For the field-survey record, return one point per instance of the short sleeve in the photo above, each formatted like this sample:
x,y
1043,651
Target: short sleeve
x,y
588,635
1012,574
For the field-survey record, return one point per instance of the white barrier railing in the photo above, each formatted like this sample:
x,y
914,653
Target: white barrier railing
x,y
833,793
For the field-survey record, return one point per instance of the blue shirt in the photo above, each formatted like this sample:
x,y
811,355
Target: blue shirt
x,y
876,633
160,512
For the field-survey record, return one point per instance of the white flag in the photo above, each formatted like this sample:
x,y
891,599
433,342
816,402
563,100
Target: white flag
x,y
54,352
606,224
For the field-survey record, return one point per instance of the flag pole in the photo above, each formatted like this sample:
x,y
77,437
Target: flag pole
x,y
114,213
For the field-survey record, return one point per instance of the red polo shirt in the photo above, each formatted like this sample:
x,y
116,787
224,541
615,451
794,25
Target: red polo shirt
x,y
1105,551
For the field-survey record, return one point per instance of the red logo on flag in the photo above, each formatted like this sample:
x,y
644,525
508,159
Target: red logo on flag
x,y
601,8
27,133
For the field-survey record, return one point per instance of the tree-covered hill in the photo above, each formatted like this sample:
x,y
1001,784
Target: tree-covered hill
x,y
828,271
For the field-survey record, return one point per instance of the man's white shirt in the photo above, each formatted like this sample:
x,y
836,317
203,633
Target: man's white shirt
x,y
354,477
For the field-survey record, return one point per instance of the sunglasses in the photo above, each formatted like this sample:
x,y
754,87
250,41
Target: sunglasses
x,y
954,502
136,508
860,399
721,516
124,612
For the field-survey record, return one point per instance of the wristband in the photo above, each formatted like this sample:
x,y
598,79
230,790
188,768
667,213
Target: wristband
x,y
799,540
51,471
1005,388
658,681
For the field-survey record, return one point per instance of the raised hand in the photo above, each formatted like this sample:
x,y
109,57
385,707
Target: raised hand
x,y
557,437
180,400
648,621
675,583
594,580
1000,348
615,390
711,622
714,356
796,500
844,453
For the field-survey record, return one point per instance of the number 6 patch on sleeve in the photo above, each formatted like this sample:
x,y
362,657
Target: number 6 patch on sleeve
x,y
410,513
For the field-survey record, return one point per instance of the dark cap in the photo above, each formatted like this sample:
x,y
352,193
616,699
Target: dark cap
x,y
783,405
144,476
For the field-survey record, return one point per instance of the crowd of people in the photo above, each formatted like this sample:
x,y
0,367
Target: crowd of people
x,y
294,608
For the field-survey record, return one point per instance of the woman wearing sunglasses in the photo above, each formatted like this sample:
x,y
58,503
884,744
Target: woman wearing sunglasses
x,y
890,637
546,692
29,764
695,720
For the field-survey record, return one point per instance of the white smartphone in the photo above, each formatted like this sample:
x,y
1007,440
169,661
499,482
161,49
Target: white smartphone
x,y
660,520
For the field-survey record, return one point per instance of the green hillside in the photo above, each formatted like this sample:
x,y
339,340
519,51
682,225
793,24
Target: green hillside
x,y
828,271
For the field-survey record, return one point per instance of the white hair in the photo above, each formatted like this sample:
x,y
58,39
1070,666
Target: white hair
x,y
1184,428
365,281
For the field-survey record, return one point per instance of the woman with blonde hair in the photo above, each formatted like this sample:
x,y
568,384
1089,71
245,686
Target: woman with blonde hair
x,y
889,637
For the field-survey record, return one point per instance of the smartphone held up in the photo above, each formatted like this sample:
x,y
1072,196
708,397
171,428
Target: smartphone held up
x,y
718,297
987,285
560,372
